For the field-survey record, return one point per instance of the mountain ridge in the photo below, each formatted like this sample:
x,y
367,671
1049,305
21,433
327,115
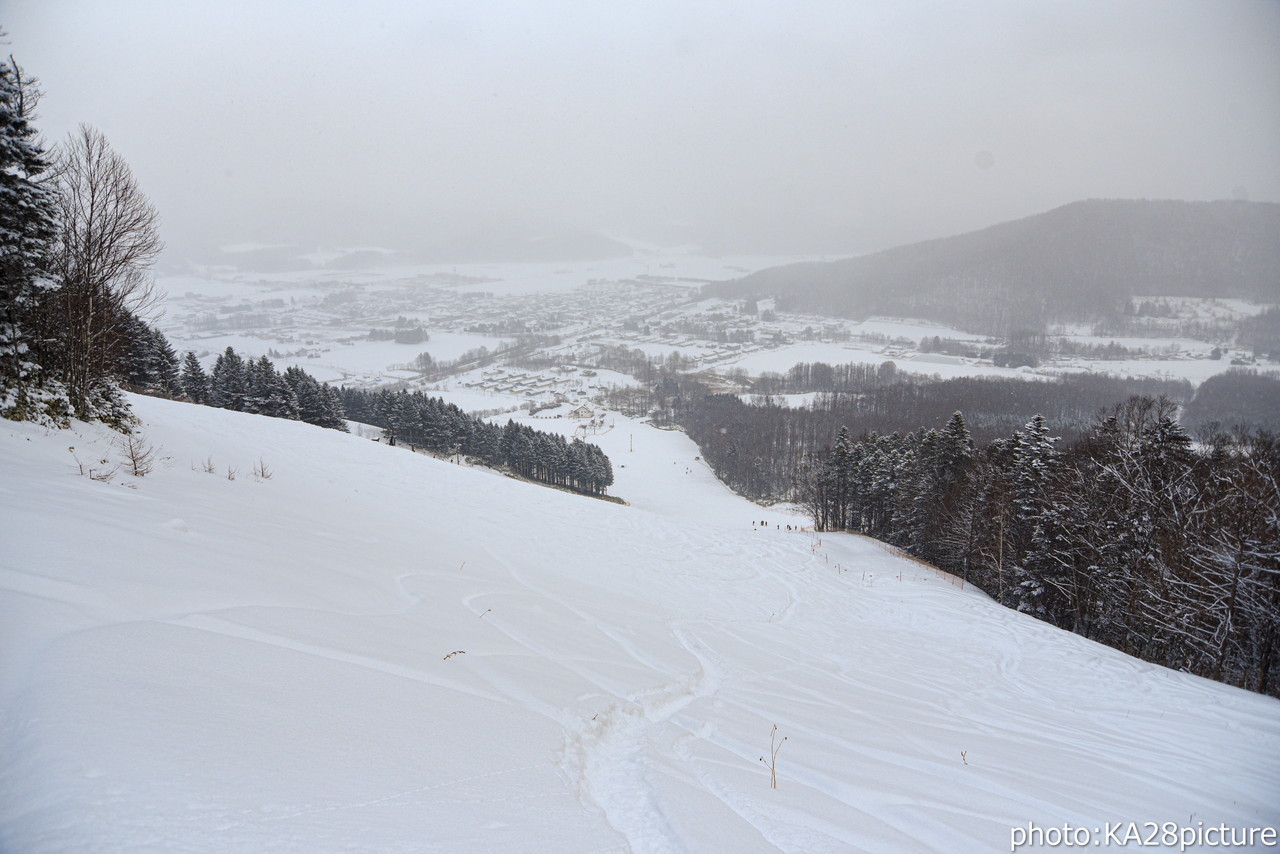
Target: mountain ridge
x,y
1078,262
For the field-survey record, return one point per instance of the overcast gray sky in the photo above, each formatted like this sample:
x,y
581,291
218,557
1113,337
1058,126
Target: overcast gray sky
x,y
838,127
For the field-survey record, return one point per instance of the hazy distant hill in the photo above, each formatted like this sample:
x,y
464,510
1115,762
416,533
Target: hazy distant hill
x,y
1078,262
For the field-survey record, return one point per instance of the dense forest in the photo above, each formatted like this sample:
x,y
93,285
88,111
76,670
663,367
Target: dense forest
x,y
756,439
1080,262
1238,398
1132,536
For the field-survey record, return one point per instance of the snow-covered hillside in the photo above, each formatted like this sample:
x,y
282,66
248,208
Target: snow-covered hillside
x,y
375,651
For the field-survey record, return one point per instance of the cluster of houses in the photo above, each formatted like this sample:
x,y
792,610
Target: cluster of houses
x,y
554,386
515,382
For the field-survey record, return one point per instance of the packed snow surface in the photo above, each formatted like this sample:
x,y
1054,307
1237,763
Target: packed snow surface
x,y
371,650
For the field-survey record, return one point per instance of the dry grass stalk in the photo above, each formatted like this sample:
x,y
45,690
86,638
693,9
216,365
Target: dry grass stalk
x,y
772,762
103,473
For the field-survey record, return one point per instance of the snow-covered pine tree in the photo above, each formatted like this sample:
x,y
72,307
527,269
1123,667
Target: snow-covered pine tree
x,y
166,363
1156,471
257,386
306,391
334,415
604,470
229,381
840,475
1034,515
268,393
935,477
919,500
405,419
356,404
552,454
194,381
150,364
28,226
1142,462
955,450
883,465
485,442
517,448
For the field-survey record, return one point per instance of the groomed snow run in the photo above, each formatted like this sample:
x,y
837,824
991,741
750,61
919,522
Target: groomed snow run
x,y
375,651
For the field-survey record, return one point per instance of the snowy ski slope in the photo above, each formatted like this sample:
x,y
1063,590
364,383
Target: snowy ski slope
x,y
375,651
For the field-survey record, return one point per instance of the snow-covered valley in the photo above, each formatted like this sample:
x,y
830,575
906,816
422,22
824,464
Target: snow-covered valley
x,y
321,320
289,639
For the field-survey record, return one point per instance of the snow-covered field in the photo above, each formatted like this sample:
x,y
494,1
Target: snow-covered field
x,y
781,360
375,651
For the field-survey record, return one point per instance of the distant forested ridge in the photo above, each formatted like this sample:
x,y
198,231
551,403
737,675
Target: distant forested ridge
x,y
1080,262
1240,398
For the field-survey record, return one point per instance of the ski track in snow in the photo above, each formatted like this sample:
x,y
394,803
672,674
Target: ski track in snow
x,y
607,757
223,626
610,756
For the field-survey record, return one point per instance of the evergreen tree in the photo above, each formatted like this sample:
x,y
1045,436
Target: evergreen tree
x,y
268,393
603,470
520,453
484,442
194,381
333,415
919,501
405,422
28,227
306,391
883,464
358,405
150,364
841,474
1034,461
166,364
955,451
229,381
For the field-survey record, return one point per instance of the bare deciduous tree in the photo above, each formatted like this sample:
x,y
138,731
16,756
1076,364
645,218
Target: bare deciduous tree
x,y
107,242
138,453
